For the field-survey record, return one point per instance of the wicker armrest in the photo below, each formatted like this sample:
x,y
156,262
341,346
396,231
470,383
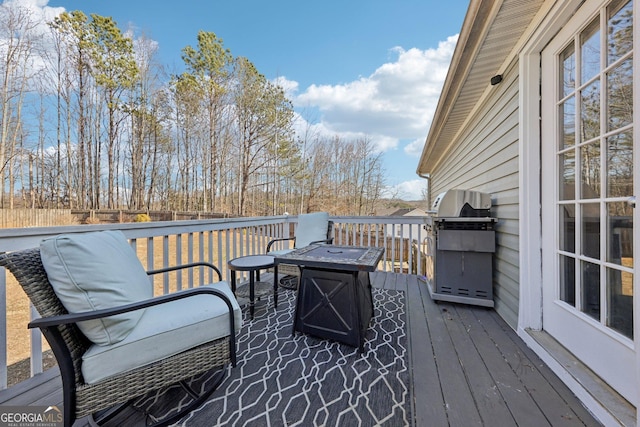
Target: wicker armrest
x,y
185,266
277,240
51,321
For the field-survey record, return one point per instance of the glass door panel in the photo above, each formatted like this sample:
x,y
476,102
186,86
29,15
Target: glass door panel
x,y
581,159
588,299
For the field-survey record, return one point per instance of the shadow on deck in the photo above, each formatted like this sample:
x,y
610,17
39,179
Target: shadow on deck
x,y
468,367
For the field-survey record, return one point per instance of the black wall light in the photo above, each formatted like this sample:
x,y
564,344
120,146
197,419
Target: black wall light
x,y
496,79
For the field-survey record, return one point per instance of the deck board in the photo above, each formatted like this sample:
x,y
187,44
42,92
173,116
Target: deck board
x,y
458,400
559,405
515,394
428,400
487,394
41,386
468,368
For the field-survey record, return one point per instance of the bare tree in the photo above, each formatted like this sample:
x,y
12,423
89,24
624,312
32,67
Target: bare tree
x,y
73,28
263,117
147,109
115,71
209,67
17,39
109,128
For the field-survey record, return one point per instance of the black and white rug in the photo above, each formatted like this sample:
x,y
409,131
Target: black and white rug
x,y
299,380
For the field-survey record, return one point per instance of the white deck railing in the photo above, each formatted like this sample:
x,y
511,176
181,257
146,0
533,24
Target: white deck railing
x,y
161,244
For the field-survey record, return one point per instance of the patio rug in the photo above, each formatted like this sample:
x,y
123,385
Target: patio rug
x,y
298,380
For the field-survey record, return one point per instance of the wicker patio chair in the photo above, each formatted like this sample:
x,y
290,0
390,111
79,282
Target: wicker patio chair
x,y
312,228
69,343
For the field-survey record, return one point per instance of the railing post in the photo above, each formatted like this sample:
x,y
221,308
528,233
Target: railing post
x,y
3,328
286,232
36,344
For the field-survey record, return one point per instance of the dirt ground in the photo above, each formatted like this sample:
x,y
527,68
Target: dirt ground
x,y
18,342
21,370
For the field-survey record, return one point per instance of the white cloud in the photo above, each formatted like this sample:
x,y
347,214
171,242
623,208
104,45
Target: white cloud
x,y
414,148
290,87
34,13
35,6
408,190
394,105
25,22
396,102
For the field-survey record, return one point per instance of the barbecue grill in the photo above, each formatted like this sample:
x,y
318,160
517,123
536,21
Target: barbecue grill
x,y
460,247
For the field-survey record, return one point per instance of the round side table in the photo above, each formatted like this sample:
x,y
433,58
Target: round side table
x,y
253,264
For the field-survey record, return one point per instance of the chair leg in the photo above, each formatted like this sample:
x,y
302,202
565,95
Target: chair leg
x,y
198,400
108,417
103,417
275,285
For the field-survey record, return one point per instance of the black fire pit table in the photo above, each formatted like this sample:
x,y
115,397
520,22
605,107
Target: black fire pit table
x,y
253,264
334,295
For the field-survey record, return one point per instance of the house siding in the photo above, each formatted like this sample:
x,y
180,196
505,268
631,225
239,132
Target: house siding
x,y
485,158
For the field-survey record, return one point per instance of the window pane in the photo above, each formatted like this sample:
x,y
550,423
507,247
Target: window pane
x,y
567,175
620,30
590,171
590,216
568,60
568,228
568,280
620,301
568,119
590,289
620,165
620,234
590,48
590,111
620,101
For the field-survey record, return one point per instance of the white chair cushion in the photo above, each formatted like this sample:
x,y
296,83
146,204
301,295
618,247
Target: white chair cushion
x,y
93,271
311,228
164,330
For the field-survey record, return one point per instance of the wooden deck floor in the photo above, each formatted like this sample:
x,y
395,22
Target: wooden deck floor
x,y
468,368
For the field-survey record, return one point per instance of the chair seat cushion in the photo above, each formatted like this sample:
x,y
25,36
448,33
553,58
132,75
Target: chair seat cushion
x,y
164,330
97,270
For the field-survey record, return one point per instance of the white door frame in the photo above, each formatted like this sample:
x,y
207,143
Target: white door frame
x,y
551,18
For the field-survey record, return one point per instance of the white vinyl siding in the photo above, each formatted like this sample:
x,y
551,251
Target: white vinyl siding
x,y
485,158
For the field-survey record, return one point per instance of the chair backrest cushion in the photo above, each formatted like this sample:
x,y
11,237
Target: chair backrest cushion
x,y
93,271
311,228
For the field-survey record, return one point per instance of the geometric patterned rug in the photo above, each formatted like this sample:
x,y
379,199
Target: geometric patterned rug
x,y
299,380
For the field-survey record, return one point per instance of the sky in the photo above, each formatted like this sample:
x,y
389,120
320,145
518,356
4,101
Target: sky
x,y
353,68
